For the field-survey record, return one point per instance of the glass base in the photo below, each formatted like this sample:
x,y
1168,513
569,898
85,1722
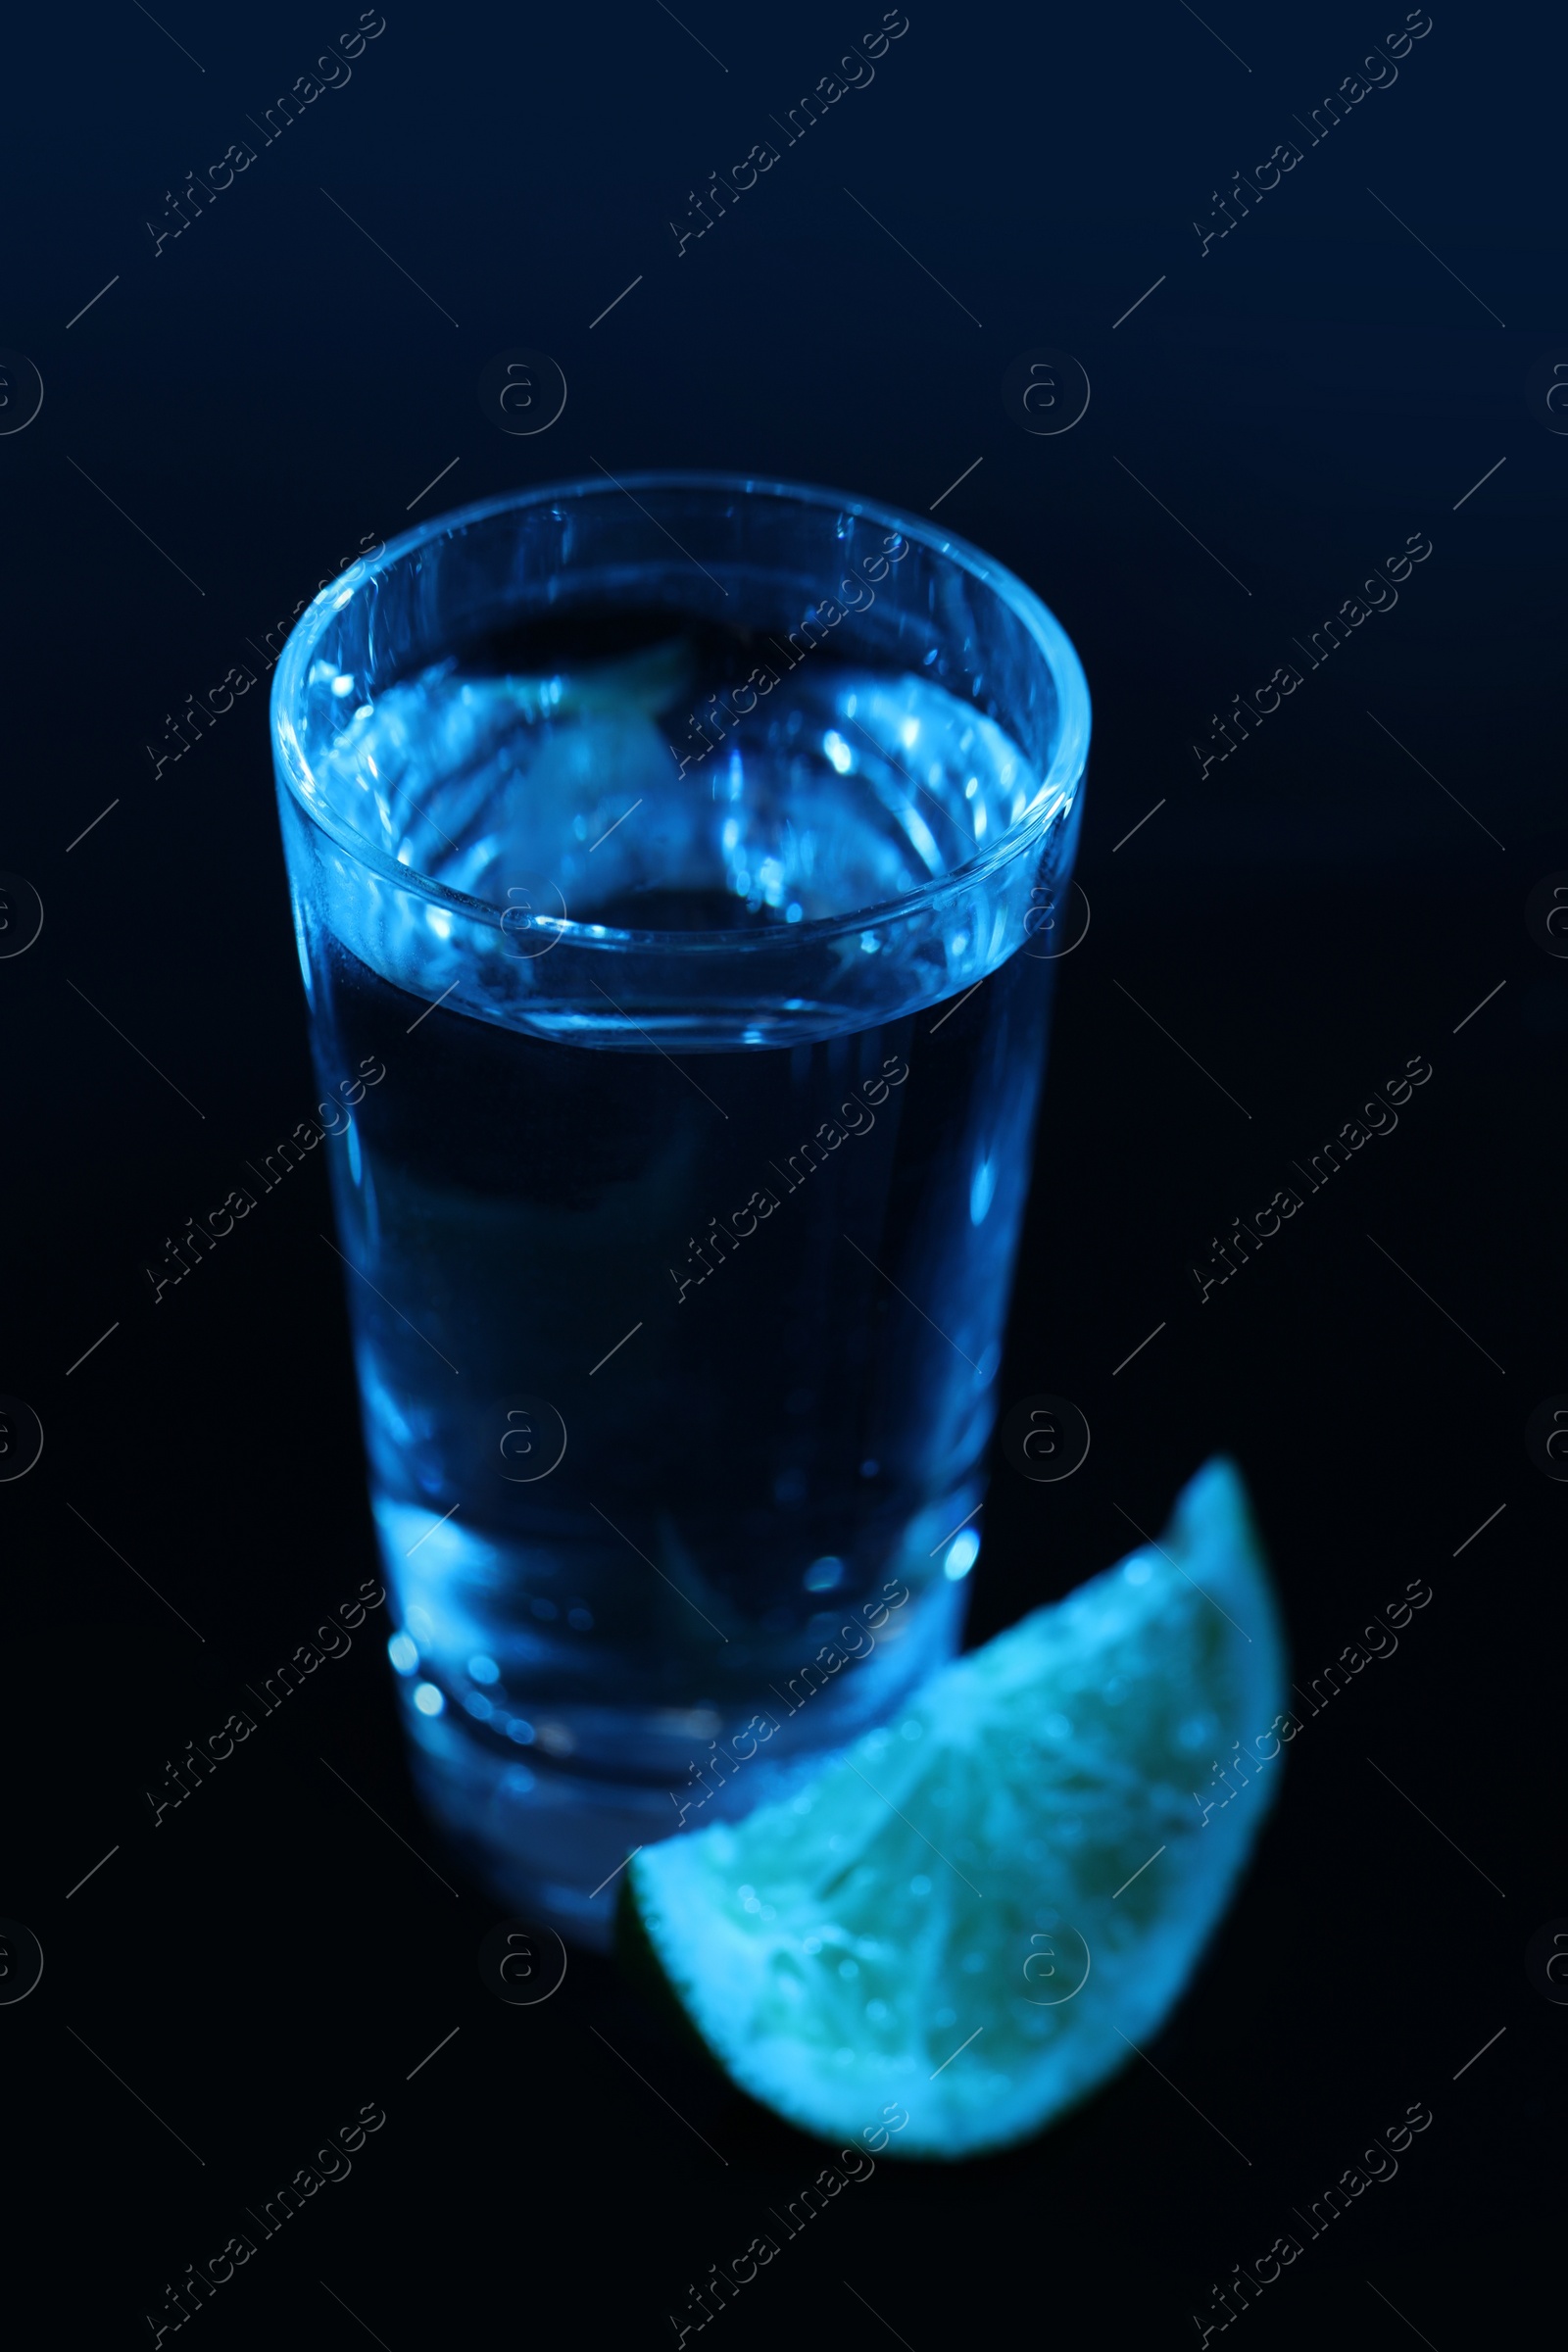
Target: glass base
x,y
549,1841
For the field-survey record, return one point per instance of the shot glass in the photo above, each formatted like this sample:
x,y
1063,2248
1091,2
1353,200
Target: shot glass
x,y
675,868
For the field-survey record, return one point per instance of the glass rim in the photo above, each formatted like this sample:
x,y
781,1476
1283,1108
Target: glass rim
x,y
1058,785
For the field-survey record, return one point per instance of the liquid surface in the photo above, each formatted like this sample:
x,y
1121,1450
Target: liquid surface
x,y
660,789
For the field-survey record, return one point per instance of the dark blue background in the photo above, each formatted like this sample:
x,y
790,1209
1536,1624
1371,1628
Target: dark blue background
x,y
271,390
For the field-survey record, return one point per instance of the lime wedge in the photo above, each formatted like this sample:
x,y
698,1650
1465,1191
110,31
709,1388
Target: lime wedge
x,y
969,1919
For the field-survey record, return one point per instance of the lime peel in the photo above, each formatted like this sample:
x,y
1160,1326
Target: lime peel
x,y
978,1910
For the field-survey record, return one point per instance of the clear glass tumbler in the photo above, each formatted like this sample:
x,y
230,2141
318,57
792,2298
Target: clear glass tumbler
x,y
674,866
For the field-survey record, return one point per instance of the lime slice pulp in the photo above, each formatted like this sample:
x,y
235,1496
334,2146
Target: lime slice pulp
x,y
970,1917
